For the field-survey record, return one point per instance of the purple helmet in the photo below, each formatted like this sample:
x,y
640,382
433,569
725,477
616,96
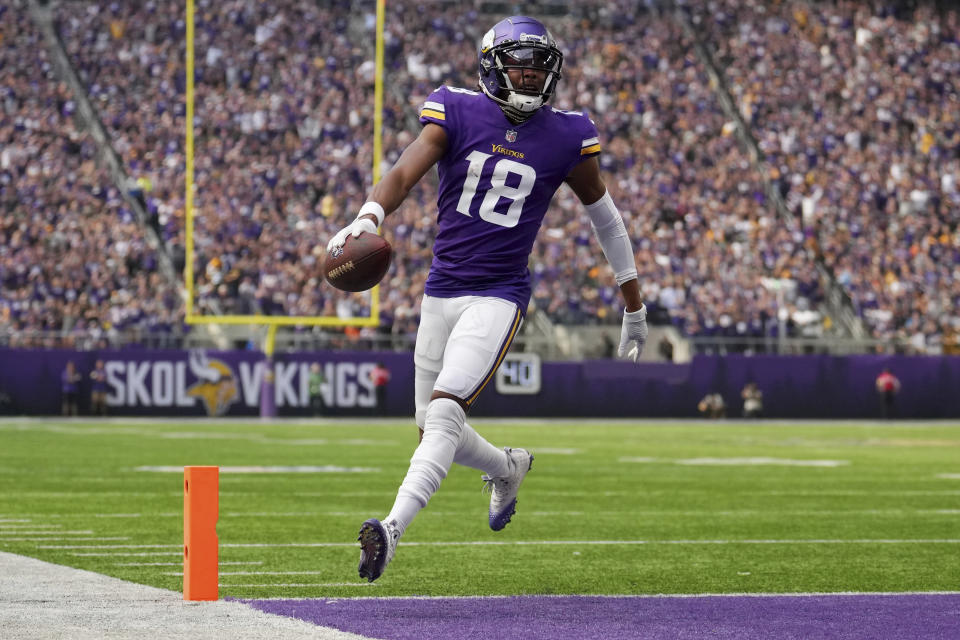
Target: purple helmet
x,y
518,42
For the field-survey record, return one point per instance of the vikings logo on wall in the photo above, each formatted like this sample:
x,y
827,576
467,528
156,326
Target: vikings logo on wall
x,y
216,385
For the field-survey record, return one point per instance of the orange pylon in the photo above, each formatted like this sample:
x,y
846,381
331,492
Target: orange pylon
x,y
201,509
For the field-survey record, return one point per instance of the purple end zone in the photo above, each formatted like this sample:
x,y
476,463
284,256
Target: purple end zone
x,y
915,616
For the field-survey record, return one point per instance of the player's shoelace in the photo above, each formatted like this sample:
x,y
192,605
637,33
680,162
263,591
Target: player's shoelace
x,y
496,487
491,484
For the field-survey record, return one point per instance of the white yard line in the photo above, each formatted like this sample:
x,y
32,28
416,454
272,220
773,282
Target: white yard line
x,y
111,546
179,564
62,538
528,543
255,573
43,600
105,494
250,469
97,429
536,543
85,532
136,554
739,462
299,584
846,492
564,494
709,513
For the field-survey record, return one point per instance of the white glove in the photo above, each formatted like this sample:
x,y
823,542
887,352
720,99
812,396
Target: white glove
x,y
354,229
634,331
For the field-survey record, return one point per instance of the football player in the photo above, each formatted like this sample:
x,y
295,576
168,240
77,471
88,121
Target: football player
x,y
501,154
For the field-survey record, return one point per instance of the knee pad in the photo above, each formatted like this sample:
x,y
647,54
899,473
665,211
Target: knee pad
x,y
424,381
443,418
442,431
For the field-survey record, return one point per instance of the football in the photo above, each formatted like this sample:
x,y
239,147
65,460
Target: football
x,y
359,264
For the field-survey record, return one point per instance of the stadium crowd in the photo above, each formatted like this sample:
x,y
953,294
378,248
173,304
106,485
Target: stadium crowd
x,y
73,257
856,110
284,126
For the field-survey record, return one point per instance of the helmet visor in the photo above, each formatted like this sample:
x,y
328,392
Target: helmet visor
x,y
530,57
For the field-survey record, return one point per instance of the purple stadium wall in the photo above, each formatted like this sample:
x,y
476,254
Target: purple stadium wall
x,y
230,383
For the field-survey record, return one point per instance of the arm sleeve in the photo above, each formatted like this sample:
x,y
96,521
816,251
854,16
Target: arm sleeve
x,y
612,235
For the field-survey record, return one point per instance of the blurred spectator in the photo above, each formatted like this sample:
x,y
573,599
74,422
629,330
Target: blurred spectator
x,y
380,377
888,386
712,405
752,400
7,406
609,347
665,349
98,389
315,384
70,390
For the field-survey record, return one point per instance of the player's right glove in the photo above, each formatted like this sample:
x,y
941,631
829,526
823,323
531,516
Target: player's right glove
x,y
634,331
358,226
354,229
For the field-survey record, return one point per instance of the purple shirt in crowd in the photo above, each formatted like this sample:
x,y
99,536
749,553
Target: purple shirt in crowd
x,y
496,182
69,381
99,378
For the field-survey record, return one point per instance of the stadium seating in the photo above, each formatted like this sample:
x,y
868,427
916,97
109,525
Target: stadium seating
x,y
73,258
284,149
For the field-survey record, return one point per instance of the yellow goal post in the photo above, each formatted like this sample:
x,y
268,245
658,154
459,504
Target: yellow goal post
x,y
271,322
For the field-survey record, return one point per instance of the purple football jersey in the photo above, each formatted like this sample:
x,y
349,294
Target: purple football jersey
x,y
496,182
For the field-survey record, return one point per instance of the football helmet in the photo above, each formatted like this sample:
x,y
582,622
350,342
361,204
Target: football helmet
x,y
518,42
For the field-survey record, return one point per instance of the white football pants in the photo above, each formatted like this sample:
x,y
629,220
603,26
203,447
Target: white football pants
x,y
460,343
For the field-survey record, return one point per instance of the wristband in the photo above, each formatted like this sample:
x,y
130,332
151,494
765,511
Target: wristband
x,y
373,208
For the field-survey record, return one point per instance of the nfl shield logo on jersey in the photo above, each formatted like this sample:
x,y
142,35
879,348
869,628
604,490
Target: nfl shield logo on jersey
x,y
511,135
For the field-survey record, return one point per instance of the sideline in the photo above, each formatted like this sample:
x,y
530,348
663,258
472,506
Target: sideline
x,y
43,600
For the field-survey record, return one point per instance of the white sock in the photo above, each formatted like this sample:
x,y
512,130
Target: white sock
x,y
403,512
430,462
475,452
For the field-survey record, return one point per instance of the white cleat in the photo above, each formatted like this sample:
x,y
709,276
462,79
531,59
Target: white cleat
x,y
378,543
503,491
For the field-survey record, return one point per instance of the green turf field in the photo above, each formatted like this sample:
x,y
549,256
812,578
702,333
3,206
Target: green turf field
x,y
609,508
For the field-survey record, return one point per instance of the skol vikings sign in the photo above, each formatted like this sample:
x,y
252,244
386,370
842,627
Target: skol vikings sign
x,y
186,379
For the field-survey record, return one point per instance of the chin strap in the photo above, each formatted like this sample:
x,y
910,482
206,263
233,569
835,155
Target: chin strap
x,y
514,115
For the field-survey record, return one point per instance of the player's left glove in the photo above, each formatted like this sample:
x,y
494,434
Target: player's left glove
x,y
633,334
